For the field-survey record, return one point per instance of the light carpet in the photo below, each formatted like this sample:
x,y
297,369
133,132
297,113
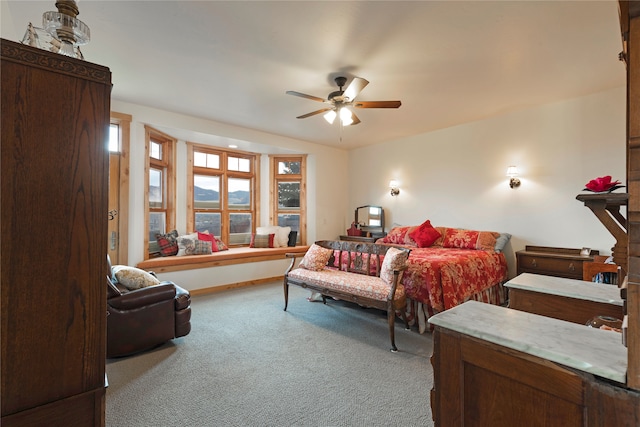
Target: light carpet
x,y
247,362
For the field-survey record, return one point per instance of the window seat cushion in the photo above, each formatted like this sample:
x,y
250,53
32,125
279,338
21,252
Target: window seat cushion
x,y
232,256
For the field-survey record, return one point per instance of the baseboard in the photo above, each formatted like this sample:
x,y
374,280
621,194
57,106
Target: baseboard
x,y
214,289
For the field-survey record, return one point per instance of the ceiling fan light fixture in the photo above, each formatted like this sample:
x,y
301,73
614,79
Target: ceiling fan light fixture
x,y
340,99
330,116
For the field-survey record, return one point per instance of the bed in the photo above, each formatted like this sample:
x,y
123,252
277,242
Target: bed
x,y
448,266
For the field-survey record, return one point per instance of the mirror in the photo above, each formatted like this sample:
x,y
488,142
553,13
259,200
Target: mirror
x,y
370,220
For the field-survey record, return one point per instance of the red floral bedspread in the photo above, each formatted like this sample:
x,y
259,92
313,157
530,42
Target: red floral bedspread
x,y
445,277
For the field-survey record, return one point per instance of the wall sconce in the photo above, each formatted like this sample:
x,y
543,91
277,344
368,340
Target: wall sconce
x,y
512,172
393,185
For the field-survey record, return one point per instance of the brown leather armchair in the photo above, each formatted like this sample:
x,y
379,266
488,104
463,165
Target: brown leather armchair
x,y
144,318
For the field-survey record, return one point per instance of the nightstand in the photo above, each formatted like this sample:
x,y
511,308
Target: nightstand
x,y
559,262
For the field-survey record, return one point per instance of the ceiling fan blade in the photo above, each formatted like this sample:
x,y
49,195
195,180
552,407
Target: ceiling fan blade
x,y
354,88
377,104
304,95
313,113
355,118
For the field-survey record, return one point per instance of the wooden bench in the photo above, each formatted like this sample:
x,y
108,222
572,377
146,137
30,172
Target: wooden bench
x,y
353,274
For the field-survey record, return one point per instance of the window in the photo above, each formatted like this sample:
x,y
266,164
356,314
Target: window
x,y
288,207
160,187
114,137
222,193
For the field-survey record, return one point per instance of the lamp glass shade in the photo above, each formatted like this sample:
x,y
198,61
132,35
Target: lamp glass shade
x,y
346,116
330,116
512,171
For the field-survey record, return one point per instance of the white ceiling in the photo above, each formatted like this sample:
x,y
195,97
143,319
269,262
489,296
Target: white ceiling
x,y
449,62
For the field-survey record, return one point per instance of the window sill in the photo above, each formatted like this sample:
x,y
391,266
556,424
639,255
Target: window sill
x,y
229,257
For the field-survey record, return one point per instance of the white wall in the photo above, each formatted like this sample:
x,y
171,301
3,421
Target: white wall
x,y
327,194
456,176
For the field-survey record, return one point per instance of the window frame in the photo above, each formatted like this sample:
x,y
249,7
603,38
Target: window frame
x,y
167,164
275,179
225,174
123,121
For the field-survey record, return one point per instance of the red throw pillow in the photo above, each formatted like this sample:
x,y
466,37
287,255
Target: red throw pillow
x,y
460,238
425,234
168,243
209,238
396,235
262,240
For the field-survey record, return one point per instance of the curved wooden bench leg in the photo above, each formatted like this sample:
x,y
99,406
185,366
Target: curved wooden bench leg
x,y
286,294
391,316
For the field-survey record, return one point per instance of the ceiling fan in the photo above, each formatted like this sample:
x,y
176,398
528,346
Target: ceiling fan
x,y
340,99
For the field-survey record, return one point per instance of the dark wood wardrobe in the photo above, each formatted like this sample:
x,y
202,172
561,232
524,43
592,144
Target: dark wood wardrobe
x,y
54,169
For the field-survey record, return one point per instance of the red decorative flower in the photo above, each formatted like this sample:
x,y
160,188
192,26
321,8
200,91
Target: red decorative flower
x,y
601,184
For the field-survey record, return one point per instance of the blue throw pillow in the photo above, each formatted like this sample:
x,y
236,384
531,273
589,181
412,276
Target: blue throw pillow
x,y
502,241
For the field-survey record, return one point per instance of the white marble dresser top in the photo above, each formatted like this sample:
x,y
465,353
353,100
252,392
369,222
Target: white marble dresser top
x,y
595,351
571,288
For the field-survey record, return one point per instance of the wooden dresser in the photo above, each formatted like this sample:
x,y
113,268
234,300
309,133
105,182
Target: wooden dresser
x,y
55,122
560,262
